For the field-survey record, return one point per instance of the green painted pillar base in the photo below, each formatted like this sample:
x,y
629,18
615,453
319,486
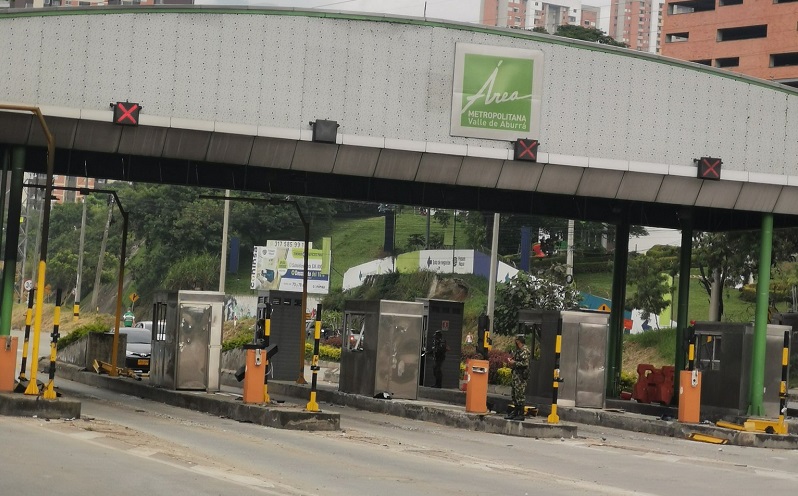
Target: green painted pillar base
x,y
614,348
12,238
757,392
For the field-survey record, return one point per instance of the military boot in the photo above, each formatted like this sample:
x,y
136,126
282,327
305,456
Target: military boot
x,y
511,413
520,413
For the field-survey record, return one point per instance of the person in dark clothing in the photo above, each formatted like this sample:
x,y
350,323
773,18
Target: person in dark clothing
x,y
439,350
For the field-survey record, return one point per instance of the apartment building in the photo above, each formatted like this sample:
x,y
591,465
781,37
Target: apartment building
x,y
753,37
636,23
528,14
590,17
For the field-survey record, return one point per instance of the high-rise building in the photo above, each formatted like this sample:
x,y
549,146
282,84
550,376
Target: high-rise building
x,y
756,38
528,14
636,23
68,196
590,17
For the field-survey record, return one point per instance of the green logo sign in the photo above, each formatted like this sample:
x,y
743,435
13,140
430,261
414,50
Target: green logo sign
x,y
497,93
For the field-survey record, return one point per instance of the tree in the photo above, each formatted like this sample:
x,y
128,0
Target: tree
x,y
587,34
546,290
733,258
443,217
649,274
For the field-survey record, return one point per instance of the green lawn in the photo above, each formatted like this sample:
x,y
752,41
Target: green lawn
x,y
735,310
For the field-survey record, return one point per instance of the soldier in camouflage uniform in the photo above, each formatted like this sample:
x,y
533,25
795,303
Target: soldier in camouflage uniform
x,y
520,365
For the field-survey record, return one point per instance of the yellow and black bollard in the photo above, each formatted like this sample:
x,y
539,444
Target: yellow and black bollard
x,y
49,391
785,362
28,321
313,406
267,330
555,386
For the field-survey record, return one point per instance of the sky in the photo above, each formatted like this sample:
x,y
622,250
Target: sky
x,y
455,10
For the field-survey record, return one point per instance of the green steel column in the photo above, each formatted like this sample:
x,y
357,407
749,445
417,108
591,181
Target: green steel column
x,y
757,390
3,188
619,266
685,258
12,238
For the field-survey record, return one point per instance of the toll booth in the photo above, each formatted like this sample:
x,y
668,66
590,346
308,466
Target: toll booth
x,y
381,348
446,316
187,339
583,355
723,355
287,332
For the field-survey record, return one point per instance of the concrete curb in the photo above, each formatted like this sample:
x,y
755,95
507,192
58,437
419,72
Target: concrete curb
x,y
490,423
280,417
21,405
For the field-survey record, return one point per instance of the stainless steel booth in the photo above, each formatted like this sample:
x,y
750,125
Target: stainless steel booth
x,y
186,339
287,332
446,316
583,355
723,355
381,348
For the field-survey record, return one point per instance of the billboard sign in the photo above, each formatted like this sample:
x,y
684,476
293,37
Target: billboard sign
x,y
496,92
279,265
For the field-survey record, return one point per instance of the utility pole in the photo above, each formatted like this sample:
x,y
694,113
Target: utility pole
x,y
494,268
569,257
102,253
76,309
223,264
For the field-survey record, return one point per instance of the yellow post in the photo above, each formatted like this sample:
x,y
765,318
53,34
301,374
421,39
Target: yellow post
x,y
313,406
555,387
33,387
49,391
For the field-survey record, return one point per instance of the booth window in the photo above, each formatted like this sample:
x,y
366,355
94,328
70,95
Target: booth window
x,y
708,352
531,332
354,331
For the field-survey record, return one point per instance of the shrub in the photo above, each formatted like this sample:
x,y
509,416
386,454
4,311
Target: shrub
x,y
334,341
504,376
237,341
326,353
96,326
628,380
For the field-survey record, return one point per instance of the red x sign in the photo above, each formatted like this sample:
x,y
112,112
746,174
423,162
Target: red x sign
x,y
709,168
126,113
526,149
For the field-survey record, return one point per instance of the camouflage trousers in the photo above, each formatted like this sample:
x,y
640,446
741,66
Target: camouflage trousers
x,y
519,387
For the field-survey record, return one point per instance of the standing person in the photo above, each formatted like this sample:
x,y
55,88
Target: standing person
x,y
520,365
439,350
128,318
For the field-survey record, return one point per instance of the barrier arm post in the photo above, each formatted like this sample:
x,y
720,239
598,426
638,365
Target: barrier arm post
x,y
28,320
49,390
555,386
313,406
785,361
267,330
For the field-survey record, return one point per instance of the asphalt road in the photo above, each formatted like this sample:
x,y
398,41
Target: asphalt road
x,y
126,445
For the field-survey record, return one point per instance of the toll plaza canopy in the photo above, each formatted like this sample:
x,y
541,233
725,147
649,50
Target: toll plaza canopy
x,y
406,110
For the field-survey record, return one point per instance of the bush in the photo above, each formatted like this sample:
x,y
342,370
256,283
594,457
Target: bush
x,y
628,381
496,360
326,353
504,376
334,341
237,341
97,326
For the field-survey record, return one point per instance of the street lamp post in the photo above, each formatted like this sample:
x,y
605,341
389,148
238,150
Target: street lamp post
x,y
306,227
